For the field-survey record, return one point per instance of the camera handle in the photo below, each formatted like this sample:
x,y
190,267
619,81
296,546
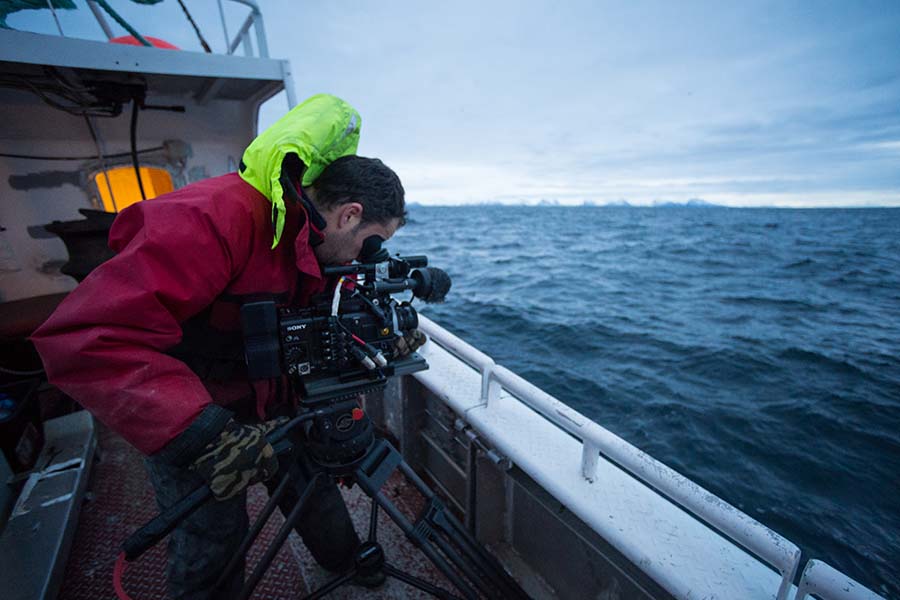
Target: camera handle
x,y
147,536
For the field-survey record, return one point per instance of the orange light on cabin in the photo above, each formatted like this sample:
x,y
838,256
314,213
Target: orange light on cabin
x,y
125,188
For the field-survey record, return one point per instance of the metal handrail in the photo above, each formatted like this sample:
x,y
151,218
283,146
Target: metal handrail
x,y
818,577
255,20
743,529
752,535
828,583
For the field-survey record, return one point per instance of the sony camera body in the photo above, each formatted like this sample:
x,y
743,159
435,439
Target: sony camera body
x,y
343,343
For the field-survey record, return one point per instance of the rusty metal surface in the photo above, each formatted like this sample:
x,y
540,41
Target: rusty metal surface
x,y
121,499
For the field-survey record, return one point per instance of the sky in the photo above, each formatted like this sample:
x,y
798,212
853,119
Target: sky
x,y
751,103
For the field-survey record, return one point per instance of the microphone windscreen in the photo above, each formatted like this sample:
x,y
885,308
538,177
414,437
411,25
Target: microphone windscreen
x,y
440,285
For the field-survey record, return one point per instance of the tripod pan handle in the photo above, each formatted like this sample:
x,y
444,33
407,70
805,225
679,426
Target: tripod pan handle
x,y
147,536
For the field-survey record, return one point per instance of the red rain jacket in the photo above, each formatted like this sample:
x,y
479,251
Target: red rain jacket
x,y
196,253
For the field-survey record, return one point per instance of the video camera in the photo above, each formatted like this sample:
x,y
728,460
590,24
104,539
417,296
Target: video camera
x,y
343,343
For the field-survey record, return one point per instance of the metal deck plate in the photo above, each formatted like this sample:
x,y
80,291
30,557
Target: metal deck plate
x,y
121,500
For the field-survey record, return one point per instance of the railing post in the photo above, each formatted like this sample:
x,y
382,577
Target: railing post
x,y
246,44
261,45
101,20
288,80
590,456
490,387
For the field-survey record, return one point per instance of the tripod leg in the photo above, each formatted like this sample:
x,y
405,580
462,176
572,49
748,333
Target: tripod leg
x,y
279,540
444,521
419,583
460,563
331,585
371,475
449,525
254,530
423,543
437,533
373,521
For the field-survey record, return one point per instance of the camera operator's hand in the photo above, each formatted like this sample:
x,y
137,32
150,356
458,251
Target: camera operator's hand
x,y
239,457
409,343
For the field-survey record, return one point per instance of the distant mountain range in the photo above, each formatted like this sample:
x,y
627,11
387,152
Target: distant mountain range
x,y
657,203
693,202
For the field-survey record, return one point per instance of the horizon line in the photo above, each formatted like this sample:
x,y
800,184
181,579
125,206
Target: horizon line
x,y
694,205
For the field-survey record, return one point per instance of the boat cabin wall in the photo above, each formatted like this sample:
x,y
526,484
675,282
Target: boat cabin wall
x,y
209,141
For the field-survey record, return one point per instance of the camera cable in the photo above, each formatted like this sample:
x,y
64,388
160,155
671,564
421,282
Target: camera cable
x,y
370,352
370,357
336,298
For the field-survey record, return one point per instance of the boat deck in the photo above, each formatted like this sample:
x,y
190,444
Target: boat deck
x,y
120,499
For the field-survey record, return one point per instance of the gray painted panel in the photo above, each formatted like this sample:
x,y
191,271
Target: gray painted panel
x,y
571,557
442,468
490,502
34,546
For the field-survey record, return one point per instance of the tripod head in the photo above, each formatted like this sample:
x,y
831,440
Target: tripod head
x,y
334,433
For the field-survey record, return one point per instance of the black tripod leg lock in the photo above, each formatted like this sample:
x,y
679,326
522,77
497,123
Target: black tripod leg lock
x,y
377,467
421,532
435,514
432,519
147,536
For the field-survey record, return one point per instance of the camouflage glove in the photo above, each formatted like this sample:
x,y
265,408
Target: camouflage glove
x,y
409,343
239,457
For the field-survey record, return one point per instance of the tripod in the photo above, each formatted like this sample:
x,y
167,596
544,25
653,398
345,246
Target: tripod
x,y
436,532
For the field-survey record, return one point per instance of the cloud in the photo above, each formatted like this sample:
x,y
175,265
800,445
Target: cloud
x,y
583,99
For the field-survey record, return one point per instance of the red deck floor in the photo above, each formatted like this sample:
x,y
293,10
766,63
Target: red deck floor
x,y
120,499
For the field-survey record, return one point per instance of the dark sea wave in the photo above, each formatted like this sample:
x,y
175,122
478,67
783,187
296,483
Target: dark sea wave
x,y
757,351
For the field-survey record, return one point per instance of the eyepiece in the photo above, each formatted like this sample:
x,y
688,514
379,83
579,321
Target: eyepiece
x,y
372,251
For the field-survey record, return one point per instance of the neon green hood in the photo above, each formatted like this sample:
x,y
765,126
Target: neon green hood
x,y
320,130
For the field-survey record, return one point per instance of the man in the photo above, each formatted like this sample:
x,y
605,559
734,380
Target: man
x,y
150,342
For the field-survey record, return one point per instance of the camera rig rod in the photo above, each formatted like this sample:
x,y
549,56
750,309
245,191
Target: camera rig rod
x,y
398,266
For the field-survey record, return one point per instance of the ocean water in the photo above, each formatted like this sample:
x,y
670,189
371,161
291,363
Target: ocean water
x,y
756,351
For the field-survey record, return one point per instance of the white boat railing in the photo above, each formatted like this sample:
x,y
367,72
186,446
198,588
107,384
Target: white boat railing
x,y
748,533
827,583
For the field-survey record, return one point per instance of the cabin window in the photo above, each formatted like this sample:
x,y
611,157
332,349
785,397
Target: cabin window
x,y
124,186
